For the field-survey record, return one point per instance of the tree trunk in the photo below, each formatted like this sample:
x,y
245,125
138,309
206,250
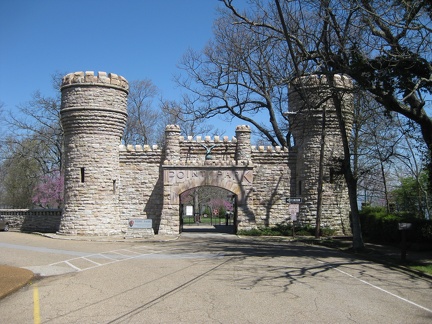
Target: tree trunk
x,y
351,181
320,176
357,243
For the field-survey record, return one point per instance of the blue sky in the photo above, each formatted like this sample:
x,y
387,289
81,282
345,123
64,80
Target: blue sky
x,y
137,39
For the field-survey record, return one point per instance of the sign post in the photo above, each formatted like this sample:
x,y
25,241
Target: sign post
x,y
293,209
403,227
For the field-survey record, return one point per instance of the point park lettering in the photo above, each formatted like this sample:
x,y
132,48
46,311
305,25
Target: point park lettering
x,y
179,176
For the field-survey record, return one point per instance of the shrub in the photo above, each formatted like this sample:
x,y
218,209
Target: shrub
x,y
251,232
285,229
379,226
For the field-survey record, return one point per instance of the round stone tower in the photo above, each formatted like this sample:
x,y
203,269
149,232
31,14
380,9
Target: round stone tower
x,y
314,125
93,116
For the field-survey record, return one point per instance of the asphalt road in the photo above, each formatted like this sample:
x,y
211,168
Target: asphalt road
x,y
202,278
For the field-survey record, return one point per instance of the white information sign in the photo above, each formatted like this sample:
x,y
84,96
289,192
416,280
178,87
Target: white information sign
x,y
140,223
293,210
189,210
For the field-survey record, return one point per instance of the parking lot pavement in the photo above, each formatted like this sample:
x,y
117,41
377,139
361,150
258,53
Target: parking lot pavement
x,y
208,278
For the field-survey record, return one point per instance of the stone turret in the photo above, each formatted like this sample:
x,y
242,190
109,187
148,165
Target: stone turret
x,y
309,101
244,150
93,116
172,145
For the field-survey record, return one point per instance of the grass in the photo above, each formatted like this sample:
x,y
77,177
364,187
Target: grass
x,y
425,268
207,221
345,245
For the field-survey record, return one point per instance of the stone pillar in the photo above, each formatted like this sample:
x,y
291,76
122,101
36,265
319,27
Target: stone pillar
x,y
244,149
310,100
93,116
170,218
172,144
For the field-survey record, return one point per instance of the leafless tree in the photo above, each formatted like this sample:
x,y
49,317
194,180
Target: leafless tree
x,y
384,47
173,112
239,74
39,120
245,71
141,125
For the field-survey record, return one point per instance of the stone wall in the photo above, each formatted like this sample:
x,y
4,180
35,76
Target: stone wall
x,y
272,185
141,184
260,179
33,220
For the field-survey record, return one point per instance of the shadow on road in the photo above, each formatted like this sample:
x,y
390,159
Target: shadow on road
x,y
199,228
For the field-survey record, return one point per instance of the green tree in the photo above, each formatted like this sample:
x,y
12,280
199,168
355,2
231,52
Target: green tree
x,y
19,174
411,196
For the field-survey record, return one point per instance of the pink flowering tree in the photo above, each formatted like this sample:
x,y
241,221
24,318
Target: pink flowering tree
x,y
48,193
209,198
222,205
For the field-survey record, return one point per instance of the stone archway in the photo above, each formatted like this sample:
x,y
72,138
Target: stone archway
x,y
238,180
208,209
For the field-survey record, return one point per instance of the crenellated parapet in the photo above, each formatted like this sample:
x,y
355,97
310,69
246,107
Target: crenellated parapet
x,y
269,155
268,149
150,155
94,104
317,81
139,148
207,139
211,151
100,79
310,96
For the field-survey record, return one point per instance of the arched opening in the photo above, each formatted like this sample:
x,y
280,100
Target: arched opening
x,y
208,209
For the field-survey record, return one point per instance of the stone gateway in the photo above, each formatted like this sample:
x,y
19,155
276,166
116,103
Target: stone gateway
x,y
107,184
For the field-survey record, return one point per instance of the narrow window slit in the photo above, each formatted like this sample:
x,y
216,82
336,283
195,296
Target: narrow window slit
x,y
82,175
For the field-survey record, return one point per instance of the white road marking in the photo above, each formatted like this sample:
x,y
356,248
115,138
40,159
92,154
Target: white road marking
x,y
114,256
376,287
